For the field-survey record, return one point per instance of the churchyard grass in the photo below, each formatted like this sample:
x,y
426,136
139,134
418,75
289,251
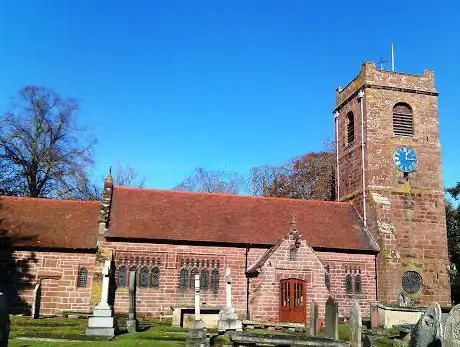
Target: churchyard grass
x,y
161,334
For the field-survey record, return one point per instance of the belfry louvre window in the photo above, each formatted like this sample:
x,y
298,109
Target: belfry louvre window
x,y
350,127
403,123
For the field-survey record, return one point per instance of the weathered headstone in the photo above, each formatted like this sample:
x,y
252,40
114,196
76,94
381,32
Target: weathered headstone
x,y
332,319
355,324
228,319
374,316
313,318
131,323
4,321
197,333
404,299
102,322
428,330
452,328
37,301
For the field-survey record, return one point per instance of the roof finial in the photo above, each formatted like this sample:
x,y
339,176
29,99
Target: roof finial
x,y
293,222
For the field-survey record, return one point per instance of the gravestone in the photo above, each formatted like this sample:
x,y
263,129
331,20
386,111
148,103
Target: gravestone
x,y
374,316
131,323
197,333
452,328
102,322
228,319
37,301
313,318
428,330
404,299
4,321
332,319
355,324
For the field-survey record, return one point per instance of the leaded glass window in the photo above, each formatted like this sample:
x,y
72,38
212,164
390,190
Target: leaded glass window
x,y
327,280
215,280
183,281
358,285
122,277
155,277
82,278
133,269
192,277
144,280
349,284
204,281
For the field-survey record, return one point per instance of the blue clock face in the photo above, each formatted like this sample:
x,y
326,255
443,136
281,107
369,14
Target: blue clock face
x,y
405,159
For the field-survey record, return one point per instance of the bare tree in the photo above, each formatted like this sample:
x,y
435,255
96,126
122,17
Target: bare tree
x,y
311,176
127,176
210,181
43,153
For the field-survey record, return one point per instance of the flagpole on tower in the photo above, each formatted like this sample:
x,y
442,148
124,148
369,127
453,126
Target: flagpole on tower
x,y
392,58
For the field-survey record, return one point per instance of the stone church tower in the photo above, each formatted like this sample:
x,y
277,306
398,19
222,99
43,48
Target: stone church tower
x,y
389,165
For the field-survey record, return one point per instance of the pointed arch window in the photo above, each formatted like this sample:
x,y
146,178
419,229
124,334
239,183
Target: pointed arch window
x,y
215,280
183,280
82,278
358,285
155,277
204,280
403,122
350,127
349,284
144,280
122,277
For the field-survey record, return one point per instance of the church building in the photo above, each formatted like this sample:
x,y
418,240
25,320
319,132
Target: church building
x,y
386,234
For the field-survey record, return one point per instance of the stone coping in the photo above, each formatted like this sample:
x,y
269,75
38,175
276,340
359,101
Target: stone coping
x,y
273,324
401,308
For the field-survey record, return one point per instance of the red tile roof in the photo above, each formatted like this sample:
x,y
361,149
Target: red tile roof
x,y
183,216
30,222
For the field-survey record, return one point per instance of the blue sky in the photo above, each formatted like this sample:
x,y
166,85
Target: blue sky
x,y
167,86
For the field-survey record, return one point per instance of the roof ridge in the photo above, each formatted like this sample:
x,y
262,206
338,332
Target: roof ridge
x,y
236,196
8,197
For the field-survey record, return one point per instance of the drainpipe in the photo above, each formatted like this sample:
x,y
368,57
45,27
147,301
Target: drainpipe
x,y
337,174
375,269
361,104
247,282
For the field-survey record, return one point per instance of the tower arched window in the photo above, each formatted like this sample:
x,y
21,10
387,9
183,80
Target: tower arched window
x,y
403,122
350,127
183,280
82,278
204,280
144,280
215,280
122,277
155,277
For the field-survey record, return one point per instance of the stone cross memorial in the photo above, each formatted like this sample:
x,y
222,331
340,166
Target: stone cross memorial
x,y
102,322
313,318
332,319
197,333
131,323
452,328
428,330
4,321
228,319
355,324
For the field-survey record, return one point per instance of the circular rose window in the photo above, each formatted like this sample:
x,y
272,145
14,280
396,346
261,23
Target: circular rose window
x,y
411,281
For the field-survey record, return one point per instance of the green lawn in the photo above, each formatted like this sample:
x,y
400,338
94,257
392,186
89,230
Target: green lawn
x,y
162,334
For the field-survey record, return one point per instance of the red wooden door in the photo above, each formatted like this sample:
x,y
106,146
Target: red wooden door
x,y
293,301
